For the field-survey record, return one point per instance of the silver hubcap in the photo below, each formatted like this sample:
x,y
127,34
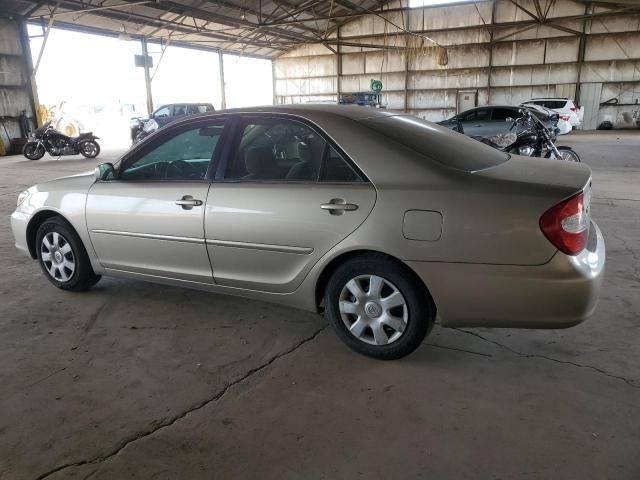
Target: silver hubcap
x,y
373,309
57,257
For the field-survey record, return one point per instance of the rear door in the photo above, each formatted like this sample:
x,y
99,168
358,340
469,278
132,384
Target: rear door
x,y
284,199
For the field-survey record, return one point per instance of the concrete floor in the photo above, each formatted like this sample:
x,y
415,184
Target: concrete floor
x,y
133,380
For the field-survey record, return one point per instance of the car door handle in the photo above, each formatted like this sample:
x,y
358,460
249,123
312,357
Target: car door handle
x,y
188,202
337,206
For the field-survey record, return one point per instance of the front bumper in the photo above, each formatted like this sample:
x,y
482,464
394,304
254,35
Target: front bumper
x,y
561,293
19,222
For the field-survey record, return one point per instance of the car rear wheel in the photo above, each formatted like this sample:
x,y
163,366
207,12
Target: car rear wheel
x,y
90,149
378,308
62,257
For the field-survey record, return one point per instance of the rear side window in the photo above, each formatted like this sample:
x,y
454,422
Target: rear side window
x,y
437,143
336,169
179,110
551,103
276,149
501,114
194,109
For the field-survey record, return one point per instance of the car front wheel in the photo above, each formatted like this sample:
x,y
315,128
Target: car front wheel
x,y
378,307
62,257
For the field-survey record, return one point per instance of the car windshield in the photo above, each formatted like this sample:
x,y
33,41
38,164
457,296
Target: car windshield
x,y
437,143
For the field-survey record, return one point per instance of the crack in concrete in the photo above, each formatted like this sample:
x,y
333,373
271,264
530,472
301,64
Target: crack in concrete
x,y
162,424
551,359
462,350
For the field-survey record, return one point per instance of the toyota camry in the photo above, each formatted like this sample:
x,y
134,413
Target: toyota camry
x,y
384,222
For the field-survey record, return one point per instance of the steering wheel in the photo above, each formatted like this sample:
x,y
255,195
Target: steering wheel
x,y
182,169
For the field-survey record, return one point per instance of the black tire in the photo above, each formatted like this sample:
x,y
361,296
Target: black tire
x,y
420,307
33,151
82,277
566,151
94,152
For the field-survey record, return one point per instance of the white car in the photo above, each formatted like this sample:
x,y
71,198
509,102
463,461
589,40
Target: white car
x,y
564,106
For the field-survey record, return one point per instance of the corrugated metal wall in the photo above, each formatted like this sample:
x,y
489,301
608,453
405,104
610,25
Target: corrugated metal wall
x,y
519,64
14,85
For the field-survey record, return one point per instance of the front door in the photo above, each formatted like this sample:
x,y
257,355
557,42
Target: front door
x,y
476,122
288,196
149,219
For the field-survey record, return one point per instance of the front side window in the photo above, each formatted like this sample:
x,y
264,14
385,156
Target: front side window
x,y
475,116
162,112
185,156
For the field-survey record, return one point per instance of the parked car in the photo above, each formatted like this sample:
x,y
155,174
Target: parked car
x,y
565,107
166,114
378,219
492,120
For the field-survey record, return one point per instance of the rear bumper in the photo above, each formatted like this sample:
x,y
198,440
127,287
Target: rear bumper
x,y
558,294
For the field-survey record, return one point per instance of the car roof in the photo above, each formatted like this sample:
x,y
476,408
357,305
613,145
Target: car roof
x,y
513,107
548,98
353,112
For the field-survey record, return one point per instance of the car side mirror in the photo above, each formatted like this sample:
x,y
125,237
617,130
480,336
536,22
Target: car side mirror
x,y
104,171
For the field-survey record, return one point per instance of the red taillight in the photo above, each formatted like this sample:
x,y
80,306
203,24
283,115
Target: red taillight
x,y
566,224
574,109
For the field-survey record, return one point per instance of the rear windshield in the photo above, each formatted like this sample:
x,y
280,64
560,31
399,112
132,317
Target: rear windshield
x,y
437,143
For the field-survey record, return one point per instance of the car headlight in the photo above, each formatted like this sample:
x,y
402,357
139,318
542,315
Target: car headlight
x,y
22,197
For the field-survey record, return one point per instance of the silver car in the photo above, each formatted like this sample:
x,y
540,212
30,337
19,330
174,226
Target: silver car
x,y
492,120
383,221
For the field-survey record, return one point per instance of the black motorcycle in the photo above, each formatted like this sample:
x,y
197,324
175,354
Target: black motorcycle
x,y
48,139
532,139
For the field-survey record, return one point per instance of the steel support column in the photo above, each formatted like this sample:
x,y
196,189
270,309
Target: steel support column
x,y
581,50
273,81
490,67
30,74
338,66
223,93
147,76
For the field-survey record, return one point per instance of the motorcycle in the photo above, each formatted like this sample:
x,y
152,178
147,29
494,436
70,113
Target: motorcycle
x,y
48,139
532,140
147,128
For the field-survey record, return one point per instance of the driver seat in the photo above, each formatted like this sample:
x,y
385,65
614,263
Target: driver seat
x,y
258,161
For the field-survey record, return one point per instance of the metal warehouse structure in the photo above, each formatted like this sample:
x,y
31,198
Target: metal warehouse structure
x,y
430,59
